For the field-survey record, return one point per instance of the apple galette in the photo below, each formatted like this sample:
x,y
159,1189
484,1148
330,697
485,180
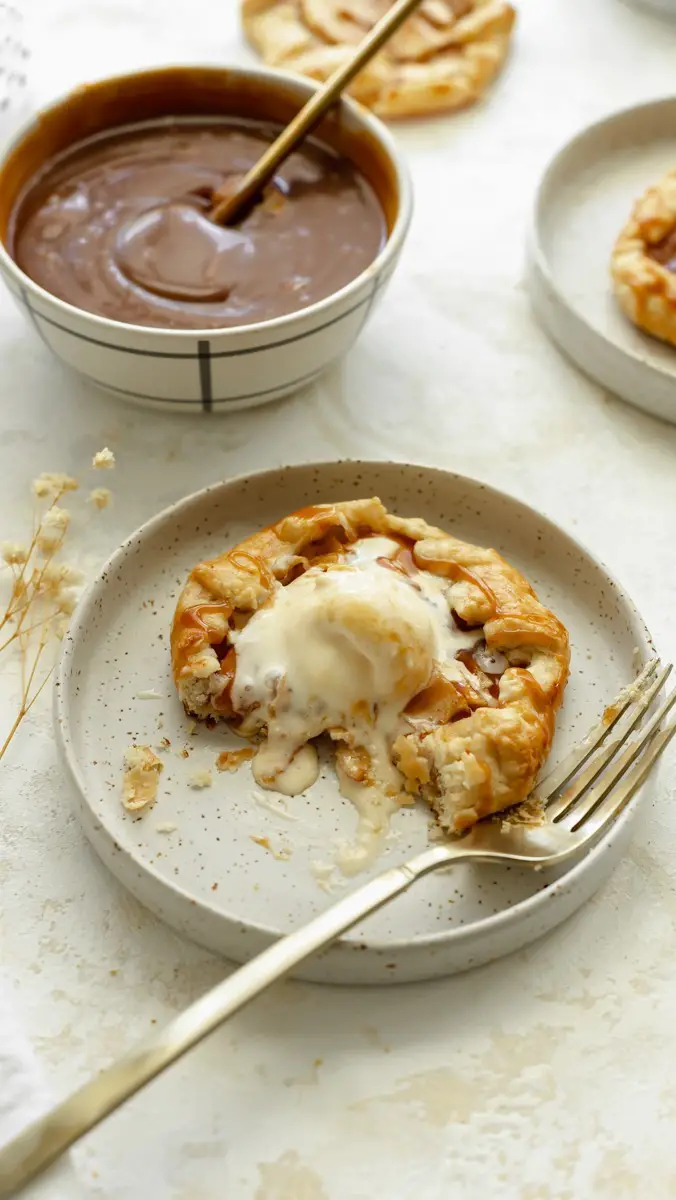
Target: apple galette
x,y
429,663
643,263
442,57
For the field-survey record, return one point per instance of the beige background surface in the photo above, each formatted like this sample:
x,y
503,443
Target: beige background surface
x,y
548,1076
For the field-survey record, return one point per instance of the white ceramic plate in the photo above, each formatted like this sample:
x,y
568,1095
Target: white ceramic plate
x,y
208,878
584,199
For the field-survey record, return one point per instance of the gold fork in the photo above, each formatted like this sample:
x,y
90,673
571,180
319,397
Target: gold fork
x,y
581,797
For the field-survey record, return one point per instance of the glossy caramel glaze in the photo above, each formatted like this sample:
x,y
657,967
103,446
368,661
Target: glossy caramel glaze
x,y
119,225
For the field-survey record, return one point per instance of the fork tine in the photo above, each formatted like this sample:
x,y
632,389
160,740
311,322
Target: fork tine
x,y
617,798
583,781
586,801
578,756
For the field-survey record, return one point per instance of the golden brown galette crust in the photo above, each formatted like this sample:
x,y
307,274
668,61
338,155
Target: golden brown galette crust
x,y
643,263
472,746
443,57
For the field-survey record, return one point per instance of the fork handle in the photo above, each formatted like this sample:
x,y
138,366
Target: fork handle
x,y
46,1139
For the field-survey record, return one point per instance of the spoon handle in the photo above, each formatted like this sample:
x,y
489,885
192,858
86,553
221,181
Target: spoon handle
x,y
227,211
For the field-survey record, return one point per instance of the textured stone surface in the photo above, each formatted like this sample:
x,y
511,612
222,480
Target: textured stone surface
x,y
547,1076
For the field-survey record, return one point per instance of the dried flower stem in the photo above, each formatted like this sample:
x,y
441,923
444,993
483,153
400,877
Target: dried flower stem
x,y
41,592
18,589
18,633
24,709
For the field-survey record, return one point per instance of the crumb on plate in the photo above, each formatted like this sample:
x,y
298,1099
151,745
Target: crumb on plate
x,y
201,778
230,760
529,812
282,855
325,875
141,777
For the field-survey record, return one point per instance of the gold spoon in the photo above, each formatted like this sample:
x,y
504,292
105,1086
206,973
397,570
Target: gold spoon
x,y
235,205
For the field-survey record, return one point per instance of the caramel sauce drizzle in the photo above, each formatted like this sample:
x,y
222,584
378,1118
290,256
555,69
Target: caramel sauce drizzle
x,y
198,631
223,701
456,573
193,618
441,700
403,561
252,565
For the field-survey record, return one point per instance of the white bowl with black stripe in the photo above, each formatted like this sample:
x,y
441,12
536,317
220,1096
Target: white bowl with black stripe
x,y
212,370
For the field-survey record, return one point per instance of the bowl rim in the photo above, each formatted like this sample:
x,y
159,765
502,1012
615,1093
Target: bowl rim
x,y
458,935
306,87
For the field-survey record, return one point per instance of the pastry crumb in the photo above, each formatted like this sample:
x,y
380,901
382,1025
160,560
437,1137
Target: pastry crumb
x,y
100,497
278,806
167,827
141,777
104,460
201,779
631,692
282,855
149,694
324,874
435,833
230,760
529,812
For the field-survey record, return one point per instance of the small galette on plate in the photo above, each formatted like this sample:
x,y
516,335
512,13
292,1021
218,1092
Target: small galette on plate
x,y
429,663
643,264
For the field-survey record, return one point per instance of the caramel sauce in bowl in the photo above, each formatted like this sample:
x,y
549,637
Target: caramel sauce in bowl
x,y
176,341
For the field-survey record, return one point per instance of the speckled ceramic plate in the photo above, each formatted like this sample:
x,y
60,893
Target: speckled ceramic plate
x,y
585,198
193,858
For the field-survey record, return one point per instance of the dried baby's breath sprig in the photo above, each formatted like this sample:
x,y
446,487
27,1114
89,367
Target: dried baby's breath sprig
x,y
104,460
43,591
52,482
58,575
100,497
13,554
52,529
